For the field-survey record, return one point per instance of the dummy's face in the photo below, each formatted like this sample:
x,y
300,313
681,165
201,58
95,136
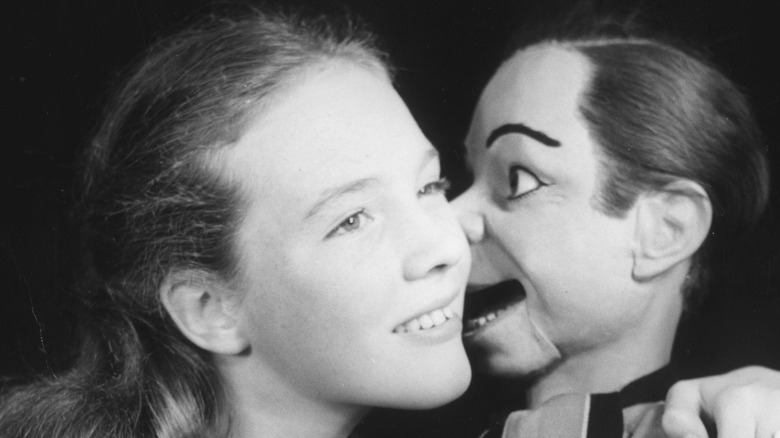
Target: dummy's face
x,y
531,216
354,264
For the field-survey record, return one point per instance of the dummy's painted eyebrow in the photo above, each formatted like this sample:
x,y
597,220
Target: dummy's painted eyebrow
x,y
333,193
519,128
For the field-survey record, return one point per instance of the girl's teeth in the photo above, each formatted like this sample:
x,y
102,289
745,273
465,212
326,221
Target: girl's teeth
x,y
438,317
427,321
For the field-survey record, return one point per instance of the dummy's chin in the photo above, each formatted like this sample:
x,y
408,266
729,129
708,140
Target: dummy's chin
x,y
510,345
518,363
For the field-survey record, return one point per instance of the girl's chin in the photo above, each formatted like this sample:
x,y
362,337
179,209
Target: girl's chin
x,y
439,390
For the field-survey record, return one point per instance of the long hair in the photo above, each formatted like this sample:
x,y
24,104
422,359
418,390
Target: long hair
x,y
152,204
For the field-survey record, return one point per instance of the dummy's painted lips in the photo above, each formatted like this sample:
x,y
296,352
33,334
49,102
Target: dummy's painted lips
x,y
486,305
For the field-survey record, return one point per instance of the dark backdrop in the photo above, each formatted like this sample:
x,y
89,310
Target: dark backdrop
x,y
60,55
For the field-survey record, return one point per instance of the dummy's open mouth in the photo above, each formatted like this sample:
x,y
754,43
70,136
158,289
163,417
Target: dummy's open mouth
x,y
485,305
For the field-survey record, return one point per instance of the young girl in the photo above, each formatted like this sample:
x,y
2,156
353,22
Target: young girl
x,y
270,252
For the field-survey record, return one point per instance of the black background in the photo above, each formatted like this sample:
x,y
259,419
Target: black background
x,y
59,57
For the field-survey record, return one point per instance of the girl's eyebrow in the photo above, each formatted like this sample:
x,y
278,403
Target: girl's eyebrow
x,y
519,128
329,195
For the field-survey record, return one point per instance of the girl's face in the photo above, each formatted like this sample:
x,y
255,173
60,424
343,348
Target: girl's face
x,y
353,264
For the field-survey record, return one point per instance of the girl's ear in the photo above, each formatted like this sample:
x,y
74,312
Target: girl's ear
x,y
672,224
204,312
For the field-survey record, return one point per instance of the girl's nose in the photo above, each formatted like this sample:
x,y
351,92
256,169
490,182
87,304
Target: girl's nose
x,y
436,245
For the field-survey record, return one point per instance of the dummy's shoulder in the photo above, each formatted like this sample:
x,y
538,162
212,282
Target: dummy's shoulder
x,y
563,416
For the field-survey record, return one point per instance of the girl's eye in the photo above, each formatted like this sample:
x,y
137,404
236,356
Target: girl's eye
x,y
522,182
348,225
434,188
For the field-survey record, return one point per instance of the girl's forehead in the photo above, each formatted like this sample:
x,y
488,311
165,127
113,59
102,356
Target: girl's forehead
x,y
335,100
339,122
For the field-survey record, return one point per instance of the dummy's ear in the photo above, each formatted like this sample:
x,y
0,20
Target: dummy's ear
x,y
203,311
672,224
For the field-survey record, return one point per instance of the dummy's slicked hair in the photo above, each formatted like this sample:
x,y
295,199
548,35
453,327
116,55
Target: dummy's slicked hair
x,y
661,111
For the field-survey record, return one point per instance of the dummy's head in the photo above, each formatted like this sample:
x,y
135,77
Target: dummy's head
x,y
608,170
661,112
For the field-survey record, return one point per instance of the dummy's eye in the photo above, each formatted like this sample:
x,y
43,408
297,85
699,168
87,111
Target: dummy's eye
x,y
350,224
434,188
522,182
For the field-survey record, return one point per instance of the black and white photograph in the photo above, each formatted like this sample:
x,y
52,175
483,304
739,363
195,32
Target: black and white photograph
x,y
356,218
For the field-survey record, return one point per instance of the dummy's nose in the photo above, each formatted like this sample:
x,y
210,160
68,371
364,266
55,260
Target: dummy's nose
x,y
471,221
485,256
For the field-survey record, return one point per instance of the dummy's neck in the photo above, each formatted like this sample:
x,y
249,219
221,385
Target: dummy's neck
x,y
608,368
